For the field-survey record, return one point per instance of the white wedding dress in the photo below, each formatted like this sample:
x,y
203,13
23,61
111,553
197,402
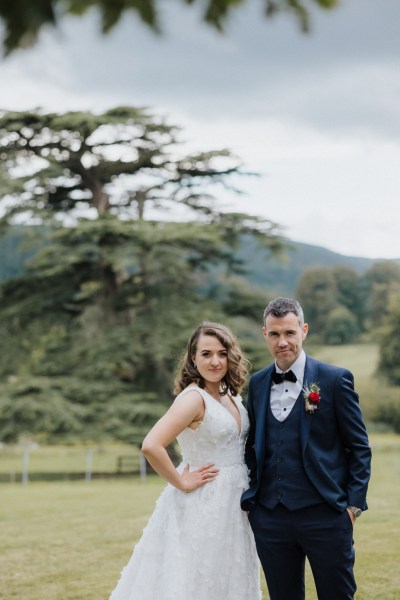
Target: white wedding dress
x,y
199,546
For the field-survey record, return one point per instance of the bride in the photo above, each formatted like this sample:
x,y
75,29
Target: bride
x,y
198,544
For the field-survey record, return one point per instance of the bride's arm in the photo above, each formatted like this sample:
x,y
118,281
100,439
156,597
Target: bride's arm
x,y
181,414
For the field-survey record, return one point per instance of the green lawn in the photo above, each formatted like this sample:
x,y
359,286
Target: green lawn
x,y
69,541
362,360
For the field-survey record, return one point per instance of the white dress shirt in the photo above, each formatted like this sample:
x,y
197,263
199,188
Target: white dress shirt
x,y
284,395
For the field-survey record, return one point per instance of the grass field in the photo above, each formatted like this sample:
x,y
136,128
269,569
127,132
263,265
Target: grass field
x,y
69,541
362,360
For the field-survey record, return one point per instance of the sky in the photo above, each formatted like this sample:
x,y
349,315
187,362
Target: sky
x,y
316,115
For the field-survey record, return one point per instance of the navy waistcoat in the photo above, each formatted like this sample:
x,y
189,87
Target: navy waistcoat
x,y
284,479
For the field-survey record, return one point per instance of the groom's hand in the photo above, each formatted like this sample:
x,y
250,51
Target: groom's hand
x,y
352,517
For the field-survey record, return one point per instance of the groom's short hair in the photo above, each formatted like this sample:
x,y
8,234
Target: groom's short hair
x,y
280,307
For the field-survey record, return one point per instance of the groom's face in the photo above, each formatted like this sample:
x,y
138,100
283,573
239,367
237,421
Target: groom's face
x,y
284,337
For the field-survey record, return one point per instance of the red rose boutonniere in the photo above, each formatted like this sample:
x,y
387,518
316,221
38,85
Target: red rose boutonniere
x,y
312,397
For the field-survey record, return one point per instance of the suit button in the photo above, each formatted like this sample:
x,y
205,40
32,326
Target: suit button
x,y
279,496
279,478
279,443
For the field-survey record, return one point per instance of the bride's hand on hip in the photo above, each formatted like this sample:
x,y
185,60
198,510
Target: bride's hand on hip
x,y
197,478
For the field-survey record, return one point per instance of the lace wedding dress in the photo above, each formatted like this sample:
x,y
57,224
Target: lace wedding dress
x,y
199,546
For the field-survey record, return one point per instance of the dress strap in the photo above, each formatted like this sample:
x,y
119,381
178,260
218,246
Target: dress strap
x,y
196,388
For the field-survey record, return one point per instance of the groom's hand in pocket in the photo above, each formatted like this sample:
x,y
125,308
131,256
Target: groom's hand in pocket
x,y
352,517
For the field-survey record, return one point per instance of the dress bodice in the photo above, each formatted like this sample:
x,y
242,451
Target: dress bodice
x,y
217,439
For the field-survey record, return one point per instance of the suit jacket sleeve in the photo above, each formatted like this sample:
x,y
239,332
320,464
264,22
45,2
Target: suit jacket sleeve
x,y
354,437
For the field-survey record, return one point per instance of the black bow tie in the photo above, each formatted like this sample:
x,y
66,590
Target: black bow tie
x,y
280,377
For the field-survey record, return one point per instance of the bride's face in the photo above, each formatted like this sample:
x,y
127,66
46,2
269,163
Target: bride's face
x,y
211,359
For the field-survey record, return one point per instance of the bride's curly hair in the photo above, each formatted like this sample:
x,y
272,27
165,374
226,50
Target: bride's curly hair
x,y
234,379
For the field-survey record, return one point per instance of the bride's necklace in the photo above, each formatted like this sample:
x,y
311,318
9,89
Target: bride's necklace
x,y
217,398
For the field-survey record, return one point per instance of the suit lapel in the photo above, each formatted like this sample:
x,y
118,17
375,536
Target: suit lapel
x,y
310,376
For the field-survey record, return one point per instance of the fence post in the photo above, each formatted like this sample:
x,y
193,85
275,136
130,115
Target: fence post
x,y
89,464
27,446
25,463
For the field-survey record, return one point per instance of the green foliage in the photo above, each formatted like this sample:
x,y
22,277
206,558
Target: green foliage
x,y
120,162
265,268
339,304
60,409
101,313
341,326
334,303
104,354
107,303
389,414
381,282
350,294
317,294
24,20
389,343
238,298
36,408
12,256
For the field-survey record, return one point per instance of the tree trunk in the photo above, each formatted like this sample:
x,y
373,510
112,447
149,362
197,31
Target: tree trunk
x,y
101,200
140,199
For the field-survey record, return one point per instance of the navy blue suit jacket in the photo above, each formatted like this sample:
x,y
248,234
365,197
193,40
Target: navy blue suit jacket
x,y
334,444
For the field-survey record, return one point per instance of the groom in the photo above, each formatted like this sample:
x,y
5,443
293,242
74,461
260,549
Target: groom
x,y
309,462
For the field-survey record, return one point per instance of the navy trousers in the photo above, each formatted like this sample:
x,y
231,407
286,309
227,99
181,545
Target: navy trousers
x,y
285,538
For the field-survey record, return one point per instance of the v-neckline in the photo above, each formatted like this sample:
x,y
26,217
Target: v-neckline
x,y
239,424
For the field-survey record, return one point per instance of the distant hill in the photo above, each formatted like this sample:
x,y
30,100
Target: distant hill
x,y
281,275
278,275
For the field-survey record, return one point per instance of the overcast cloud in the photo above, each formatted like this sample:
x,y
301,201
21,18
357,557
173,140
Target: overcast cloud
x,y
318,116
